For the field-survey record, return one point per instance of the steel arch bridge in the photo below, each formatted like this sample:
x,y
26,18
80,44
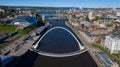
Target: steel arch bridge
x,y
81,48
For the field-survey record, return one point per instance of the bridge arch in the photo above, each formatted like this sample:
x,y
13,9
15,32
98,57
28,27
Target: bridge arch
x,y
81,48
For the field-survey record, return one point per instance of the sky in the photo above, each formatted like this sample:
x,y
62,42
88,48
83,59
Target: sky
x,y
62,3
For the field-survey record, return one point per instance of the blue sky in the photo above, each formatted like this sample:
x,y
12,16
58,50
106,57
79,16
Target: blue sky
x,y
62,3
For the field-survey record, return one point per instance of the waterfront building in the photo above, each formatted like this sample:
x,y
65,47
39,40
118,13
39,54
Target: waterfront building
x,y
24,21
89,37
87,26
112,43
39,30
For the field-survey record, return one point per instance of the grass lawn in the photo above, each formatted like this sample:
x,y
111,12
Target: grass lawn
x,y
26,30
7,28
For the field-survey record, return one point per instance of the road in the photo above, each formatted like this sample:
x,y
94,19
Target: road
x,y
17,51
16,45
11,46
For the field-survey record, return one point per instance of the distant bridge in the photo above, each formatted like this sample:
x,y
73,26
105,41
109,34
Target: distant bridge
x,y
53,14
56,16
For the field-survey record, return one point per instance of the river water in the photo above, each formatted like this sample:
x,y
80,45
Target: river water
x,y
33,59
55,42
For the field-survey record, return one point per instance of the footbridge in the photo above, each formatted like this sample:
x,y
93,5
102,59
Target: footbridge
x,y
59,42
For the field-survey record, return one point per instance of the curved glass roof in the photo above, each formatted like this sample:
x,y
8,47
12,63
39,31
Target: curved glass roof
x,y
31,20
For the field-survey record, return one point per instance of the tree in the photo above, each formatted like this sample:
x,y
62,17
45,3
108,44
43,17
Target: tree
x,y
1,15
39,22
108,25
9,12
87,19
74,16
95,19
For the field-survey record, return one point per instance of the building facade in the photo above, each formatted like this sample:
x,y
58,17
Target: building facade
x,y
89,37
118,14
90,15
112,43
99,31
24,21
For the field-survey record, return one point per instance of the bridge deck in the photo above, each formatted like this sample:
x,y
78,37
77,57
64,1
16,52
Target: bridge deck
x,y
58,41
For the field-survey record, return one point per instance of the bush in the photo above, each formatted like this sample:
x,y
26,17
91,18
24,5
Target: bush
x,y
108,25
26,30
21,31
87,19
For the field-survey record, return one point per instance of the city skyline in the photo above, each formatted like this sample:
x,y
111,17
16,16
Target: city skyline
x,y
65,3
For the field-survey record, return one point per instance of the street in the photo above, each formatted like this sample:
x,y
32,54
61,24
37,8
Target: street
x,y
23,47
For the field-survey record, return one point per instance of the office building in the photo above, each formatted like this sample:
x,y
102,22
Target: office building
x,y
112,43
90,15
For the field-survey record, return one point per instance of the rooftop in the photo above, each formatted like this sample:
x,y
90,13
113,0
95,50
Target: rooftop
x,y
90,35
31,20
101,28
86,23
105,58
116,37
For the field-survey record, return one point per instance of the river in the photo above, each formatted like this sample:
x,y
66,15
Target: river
x,y
33,59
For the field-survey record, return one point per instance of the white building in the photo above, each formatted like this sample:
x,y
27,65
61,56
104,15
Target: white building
x,y
118,13
43,17
90,15
112,43
24,21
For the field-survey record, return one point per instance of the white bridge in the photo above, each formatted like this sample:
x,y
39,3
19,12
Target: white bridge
x,y
81,48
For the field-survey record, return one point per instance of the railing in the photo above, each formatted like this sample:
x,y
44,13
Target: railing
x,y
59,54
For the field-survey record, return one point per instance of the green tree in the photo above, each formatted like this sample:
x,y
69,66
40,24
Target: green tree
x,y
108,25
95,19
26,30
87,19
39,22
74,16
